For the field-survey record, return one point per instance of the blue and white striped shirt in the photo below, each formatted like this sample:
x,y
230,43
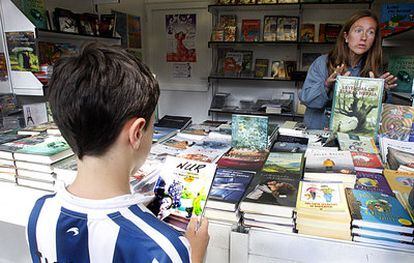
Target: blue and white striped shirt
x,y
65,228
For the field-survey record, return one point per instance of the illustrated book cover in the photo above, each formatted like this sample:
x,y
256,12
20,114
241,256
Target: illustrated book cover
x,y
249,132
396,122
250,30
372,182
403,68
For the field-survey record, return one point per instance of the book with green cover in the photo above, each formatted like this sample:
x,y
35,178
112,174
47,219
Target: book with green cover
x,y
249,132
22,51
356,105
35,11
403,68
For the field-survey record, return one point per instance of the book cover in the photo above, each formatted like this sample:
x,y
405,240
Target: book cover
x,y
107,25
182,190
10,137
377,210
287,28
42,144
396,121
229,186
403,68
369,162
171,121
372,182
401,182
228,20
36,12
307,33
22,51
233,63
66,21
270,28
229,33
290,164
396,17
332,32
278,70
330,162
397,159
35,114
355,143
249,132
250,30
247,63
356,105
205,151
244,159
261,68
163,133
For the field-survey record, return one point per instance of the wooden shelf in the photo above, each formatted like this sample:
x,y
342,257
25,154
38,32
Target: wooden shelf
x,y
260,113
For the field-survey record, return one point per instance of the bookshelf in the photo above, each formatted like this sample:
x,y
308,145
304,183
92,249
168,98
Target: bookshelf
x,y
271,50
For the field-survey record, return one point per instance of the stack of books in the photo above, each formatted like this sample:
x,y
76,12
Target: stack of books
x,y
48,127
321,210
271,197
379,218
7,164
34,157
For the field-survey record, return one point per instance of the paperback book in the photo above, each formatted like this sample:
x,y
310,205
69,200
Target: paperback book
x,y
287,28
367,162
250,30
243,159
249,132
356,105
270,28
261,68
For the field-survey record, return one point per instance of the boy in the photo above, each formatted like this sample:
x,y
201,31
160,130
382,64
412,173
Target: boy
x,y
103,102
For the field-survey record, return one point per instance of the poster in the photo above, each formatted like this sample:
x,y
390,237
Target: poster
x,y
181,70
121,27
181,37
134,31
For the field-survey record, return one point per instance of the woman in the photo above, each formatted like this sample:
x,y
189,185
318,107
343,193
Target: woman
x,y
357,52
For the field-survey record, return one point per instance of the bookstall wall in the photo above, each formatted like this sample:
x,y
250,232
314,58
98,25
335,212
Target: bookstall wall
x,y
242,88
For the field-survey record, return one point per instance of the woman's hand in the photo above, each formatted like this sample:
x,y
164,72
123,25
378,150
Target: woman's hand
x,y
389,80
330,81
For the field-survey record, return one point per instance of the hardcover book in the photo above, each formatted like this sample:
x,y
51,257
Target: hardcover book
x,y
355,143
244,159
261,68
356,105
249,132
307,33
396,17
22,51
367,162
332,32
339,162
250,30
372,182
228,188
171,121
270,28
403,68
287,28
378,211
233,63
396,122
182,190
401,182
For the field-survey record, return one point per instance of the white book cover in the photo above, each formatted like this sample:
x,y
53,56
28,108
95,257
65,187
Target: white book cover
x,y
35,114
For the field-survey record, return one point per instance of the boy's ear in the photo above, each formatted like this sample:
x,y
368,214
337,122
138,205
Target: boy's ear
x,y
136,132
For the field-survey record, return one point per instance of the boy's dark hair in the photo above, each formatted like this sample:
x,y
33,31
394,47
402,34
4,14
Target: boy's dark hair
x,y
94,94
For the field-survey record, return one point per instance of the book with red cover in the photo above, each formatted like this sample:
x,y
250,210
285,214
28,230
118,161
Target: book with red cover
x,y
244,159
367,162
372,182
250,30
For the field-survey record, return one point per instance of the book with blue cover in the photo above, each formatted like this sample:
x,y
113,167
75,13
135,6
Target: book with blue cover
x,y
378,211
228,188
372,182
163,133
249,132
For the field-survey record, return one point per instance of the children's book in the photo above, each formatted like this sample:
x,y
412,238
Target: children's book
x,y
233,63
396,17
287,28
367,162
355,143
339,162
250,30
403,68
22,51
356,105
228,188
378,211
182,190
396,122
270,28
249,132
372,182
261,68
307,33
244,159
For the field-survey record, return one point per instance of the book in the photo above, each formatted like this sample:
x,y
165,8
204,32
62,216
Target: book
x,y
182,190
292,128
378,211
398,160
270,28
249,132
396,122
401,182
35,11
403,68
374,233
384,242
386,143
355,143
332,32
66,21
171,121
35,114
22,51
228,188
321,37
367,162
277,220
396,17
250,31
10,137
243,159
40,148
107,25
36,184
307,33
233,63
279,228
330,162
287,28
37,167
261,68
247,62
66,170
163,133
205,151
372,182
278,70
356,105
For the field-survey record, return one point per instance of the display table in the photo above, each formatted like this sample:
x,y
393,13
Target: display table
x,y
226,244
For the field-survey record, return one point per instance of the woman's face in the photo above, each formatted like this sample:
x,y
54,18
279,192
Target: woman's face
x,y
361,35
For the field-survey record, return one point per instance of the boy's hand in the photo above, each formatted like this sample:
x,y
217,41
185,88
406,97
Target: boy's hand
x,y
198,238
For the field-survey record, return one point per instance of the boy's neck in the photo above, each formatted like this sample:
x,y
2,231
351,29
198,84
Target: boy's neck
x,y
102,177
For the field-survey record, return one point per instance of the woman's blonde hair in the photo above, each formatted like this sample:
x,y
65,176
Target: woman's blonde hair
x,y
371,61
